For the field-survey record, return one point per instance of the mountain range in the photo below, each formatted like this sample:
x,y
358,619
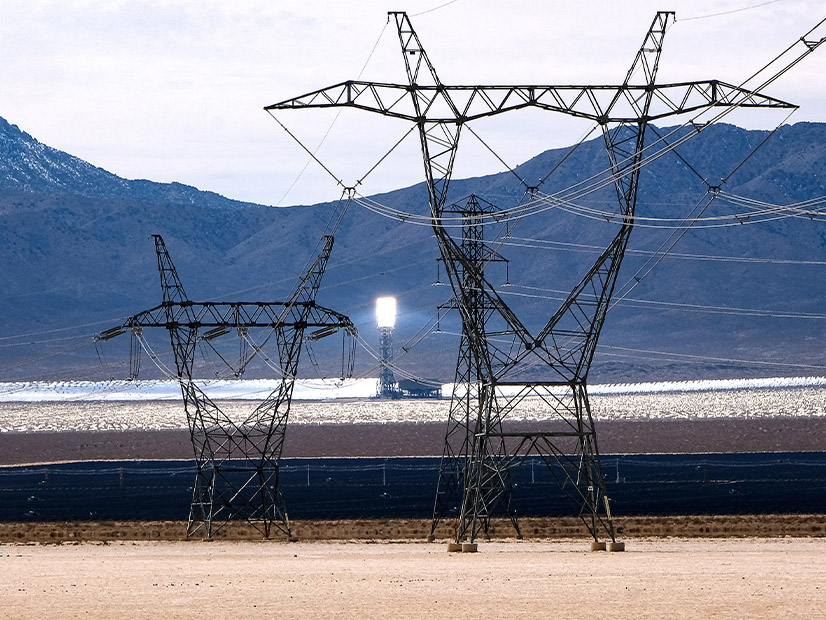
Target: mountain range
x,y
738,295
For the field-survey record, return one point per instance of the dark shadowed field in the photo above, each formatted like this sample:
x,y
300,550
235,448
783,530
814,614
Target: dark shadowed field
x,y
765,434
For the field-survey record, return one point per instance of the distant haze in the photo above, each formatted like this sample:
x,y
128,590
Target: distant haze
x,y
737,296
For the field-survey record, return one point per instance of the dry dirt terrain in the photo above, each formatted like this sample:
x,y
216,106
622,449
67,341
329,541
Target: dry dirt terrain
x,y
792,434
672,578
703,567
416,530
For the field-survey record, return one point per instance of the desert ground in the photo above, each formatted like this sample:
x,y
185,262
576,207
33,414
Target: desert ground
x,y
658,578
747,566
769,434
416,530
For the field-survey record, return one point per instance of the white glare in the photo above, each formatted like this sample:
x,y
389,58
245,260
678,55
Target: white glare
x,y
386,311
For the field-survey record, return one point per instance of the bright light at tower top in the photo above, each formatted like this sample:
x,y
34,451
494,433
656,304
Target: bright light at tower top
x,y
386,311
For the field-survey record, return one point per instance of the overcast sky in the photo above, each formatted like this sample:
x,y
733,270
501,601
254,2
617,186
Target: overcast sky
x,y
173,90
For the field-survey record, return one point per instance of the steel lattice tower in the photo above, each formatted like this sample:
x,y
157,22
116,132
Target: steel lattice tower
x,y
494,371
237,461
463,421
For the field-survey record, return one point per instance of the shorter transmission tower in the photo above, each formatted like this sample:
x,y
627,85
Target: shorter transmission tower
x,y
237,460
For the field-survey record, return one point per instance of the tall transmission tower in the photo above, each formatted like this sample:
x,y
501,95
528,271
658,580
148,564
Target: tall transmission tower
x,y
506,357
237,461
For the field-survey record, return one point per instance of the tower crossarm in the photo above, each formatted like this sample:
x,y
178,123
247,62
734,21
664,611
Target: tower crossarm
x,y
599,103
207,315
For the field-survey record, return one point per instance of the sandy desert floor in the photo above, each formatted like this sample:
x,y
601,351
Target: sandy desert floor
x,y
655,578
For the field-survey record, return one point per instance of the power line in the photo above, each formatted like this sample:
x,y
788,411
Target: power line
x,y
546,244
740,10
709,358
435,8
559,295
330,128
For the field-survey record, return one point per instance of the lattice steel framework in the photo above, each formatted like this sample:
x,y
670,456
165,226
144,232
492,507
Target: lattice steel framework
x,y
492,369
387,382
238,460
464,423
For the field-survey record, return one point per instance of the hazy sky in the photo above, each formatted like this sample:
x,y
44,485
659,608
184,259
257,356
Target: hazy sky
x,y
173,90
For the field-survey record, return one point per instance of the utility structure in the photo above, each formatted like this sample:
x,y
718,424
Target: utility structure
x,y
237,461
500,352
469,378
386,321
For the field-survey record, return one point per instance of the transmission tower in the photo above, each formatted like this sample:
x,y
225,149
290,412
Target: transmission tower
x,y
237,461
505,365
463,421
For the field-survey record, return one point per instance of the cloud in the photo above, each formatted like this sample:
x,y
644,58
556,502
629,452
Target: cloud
x,y
174,90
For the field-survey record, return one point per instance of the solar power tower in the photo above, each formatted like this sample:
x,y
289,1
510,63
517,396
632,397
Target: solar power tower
x,y
238,460
500,357
386,321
